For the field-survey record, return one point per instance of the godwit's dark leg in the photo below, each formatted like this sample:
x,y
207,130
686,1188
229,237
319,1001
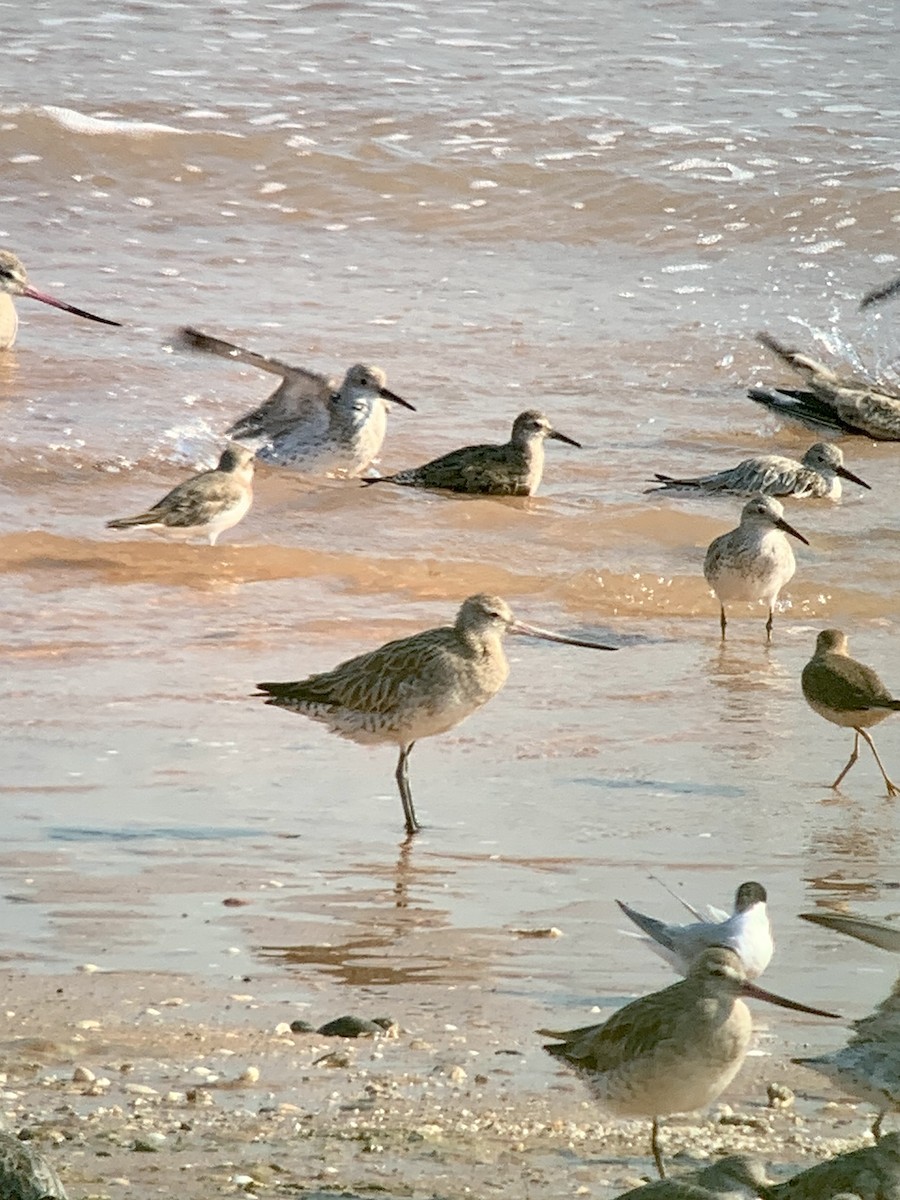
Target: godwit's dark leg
x,y
402,777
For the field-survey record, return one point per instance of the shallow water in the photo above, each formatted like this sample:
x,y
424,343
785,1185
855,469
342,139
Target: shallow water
x,y
503,207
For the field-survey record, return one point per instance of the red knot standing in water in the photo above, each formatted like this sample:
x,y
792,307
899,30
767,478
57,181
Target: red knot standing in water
x,y
14,282
25,1174
513,468
847,693
747,931
416,686
673,1051
817,476
204,505
754,561
309,423
838,402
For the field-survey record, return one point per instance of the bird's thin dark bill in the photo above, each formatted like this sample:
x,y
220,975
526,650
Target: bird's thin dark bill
x,y
751,989
545,635
561,437
788,528
387,394
79,312
845,474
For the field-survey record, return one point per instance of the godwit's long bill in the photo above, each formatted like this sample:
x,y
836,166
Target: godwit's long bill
x,y
14,282
416,686
672,1051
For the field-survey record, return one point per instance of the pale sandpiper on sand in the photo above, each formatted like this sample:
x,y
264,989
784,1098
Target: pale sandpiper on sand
x,y
754,561
203,506
310,423
816,476
513,468
847,693
416,686
673,1051
843,403
869,1065
25,1174
747,931
14,282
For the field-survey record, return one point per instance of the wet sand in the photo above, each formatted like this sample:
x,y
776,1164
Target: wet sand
x,y
136,1084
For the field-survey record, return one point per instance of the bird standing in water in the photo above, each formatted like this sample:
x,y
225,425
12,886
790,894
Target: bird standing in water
x,y
14,282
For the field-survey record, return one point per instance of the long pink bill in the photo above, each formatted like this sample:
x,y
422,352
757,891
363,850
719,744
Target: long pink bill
x,y
33,294
752,989
524,630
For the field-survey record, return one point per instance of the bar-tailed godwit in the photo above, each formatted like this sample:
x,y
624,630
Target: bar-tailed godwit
x,y
673,1051
14,282
416,686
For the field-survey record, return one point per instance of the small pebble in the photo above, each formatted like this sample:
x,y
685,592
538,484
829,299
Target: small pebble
x,y
779,1095
83,1075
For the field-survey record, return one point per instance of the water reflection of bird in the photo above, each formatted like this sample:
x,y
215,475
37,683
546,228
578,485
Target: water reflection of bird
x,y
25,1174
817,475
842,403
672,1051
869,1065
754,561
14,282
847,693
747,931
416,686
513,468
310,422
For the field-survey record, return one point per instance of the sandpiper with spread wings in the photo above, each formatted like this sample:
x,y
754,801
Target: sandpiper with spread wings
x,y
754,561
416,686
672,1051
203,506
14,282
747,931
847,693
513,468
816,476
843,403
310,422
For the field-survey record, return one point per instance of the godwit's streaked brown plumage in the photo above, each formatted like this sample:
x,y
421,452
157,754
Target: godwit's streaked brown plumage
x,y
203,506
14,282
816,476
754,561
843,403
847,693
513,468
310,423
747,931
416,686
672,1051
25,1174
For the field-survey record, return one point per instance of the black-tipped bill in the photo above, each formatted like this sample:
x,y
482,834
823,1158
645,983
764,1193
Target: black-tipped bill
x,y
781,523
758,993
545,635
845,474
33,294
562,437
387,394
